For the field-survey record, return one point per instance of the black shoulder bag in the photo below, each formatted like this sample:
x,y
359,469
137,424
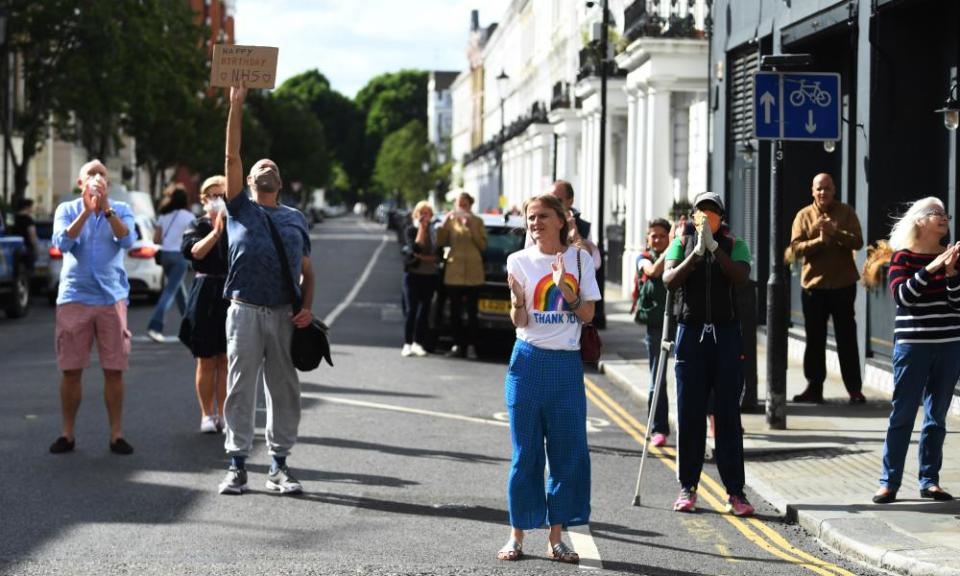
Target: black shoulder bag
x,y
310,344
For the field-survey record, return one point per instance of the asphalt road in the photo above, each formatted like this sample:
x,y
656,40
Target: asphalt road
x,y
404,463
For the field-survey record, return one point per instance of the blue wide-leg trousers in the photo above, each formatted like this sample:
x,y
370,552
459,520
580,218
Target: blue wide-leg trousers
x,y
547,405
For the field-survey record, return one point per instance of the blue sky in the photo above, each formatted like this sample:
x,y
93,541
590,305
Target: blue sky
x,y
351,41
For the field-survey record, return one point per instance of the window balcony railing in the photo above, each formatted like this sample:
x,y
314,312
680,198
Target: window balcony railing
x,y
666,19
537,114
590,63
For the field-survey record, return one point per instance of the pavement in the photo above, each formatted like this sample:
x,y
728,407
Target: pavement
x,y
823,469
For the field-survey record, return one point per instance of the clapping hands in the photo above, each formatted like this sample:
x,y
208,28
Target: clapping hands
x,y
946,260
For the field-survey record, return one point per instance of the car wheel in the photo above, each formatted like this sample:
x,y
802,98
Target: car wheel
x,y
19,303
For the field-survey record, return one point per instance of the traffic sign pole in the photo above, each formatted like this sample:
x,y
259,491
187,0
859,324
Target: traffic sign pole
x,y
787,106
776,407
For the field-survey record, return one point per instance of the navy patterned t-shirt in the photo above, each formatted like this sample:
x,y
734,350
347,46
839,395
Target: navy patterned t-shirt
x,y
254,273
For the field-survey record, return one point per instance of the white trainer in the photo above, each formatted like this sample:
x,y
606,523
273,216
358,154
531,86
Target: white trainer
x,y
406,350
156,336
417,350
208,425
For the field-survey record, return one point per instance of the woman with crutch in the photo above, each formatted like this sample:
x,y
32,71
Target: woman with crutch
x,y
553,291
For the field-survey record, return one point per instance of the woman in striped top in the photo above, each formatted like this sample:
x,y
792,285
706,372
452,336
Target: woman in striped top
x,y
926,352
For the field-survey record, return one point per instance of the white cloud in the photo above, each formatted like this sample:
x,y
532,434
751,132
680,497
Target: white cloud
x,y
351,41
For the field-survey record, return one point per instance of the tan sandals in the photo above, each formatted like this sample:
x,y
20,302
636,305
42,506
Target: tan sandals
x,y
511,551
560,552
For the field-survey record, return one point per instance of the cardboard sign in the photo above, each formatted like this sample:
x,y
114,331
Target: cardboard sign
x,y
255,66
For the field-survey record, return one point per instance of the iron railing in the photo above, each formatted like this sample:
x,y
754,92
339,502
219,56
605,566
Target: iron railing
x,y
537,114
666,19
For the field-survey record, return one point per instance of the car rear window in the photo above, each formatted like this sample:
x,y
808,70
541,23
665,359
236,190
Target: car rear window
x,y
503,241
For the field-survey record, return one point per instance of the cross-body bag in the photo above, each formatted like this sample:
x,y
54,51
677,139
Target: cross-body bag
x,y
158,257
310,344
590,344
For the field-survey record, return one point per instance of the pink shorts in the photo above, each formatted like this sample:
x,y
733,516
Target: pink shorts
x,y
79,324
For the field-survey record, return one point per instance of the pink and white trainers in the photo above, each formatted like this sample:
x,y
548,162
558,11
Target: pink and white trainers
x,y
686,501
659,440
739,506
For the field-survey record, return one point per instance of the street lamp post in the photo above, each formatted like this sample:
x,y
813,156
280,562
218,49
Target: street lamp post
x,y
5,99
502,84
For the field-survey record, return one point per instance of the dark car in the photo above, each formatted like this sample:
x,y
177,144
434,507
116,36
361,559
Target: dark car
x,y
14,274
505,235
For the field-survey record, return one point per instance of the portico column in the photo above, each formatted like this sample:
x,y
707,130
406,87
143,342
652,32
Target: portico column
x,y
659,141
632,201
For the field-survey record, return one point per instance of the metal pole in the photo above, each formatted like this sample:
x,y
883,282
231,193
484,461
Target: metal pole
x,y
776,305
603,131
500,149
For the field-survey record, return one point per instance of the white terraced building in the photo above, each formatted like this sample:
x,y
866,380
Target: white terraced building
x,y
543,121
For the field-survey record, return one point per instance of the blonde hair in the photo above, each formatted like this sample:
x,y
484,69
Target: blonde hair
x,y
210,183
419,208
904,231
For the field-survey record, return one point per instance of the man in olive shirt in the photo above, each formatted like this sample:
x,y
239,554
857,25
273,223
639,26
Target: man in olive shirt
x,y
825,234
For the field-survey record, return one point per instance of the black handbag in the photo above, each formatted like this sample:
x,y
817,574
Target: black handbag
x,y
590,344
310,344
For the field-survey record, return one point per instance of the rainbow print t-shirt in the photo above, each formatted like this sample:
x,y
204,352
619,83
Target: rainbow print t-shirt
x,y
551,324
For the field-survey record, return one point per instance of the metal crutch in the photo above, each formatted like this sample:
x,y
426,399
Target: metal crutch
x,y
666,346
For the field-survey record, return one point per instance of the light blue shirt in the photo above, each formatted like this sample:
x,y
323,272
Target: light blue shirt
x,y
93,272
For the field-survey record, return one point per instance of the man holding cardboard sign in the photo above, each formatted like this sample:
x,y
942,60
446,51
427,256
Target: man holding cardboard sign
x,y
260,322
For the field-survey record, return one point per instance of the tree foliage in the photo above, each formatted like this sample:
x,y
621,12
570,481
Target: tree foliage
x,y
400,161
341,122
388,103
295,141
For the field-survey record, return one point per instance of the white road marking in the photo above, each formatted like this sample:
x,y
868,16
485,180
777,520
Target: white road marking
x,y
583,544
418,411
332,316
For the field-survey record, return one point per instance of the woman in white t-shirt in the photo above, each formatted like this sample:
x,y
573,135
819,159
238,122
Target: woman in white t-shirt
x,y
174,220
553,291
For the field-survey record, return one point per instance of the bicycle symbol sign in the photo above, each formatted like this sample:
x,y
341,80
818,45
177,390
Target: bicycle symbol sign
x,y
796,106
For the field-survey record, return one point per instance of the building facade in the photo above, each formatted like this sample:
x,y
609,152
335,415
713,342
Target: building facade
x,y
531,105
440,113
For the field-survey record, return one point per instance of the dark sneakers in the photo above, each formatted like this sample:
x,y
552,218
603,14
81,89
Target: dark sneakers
x,y
235,482
809,396
858,398
121,446
61,445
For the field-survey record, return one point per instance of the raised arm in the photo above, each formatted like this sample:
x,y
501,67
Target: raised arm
x,y
234,167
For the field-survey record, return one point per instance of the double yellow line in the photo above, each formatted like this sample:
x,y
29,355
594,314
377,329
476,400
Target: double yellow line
x,y
713,493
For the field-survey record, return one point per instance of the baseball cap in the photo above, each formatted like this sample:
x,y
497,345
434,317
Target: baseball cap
x,y
709,197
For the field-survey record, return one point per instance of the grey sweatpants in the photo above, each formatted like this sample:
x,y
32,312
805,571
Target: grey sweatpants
x,y
258,341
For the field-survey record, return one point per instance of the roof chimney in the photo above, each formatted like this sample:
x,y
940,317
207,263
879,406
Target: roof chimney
x,y
474,20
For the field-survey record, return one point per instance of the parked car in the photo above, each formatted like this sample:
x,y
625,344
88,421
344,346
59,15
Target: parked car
x,y
505,235
14,274
143,273
41,265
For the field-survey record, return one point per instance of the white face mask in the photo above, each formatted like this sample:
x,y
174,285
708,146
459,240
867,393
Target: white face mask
x,y
216,205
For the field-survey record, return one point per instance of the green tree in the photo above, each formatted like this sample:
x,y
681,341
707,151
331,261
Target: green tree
x,y
399,166
296,142
166,111
388,103
340,119
42,35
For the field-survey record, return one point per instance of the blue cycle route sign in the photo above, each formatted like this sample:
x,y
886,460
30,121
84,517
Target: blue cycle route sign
x,y
796,106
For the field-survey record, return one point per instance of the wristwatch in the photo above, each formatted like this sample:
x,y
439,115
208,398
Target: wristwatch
x,y
109,213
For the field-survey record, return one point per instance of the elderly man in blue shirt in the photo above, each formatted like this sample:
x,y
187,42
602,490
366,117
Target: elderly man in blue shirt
x,y
93,235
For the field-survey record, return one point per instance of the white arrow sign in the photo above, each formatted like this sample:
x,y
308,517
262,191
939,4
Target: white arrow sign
x,y
767,101
810,125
